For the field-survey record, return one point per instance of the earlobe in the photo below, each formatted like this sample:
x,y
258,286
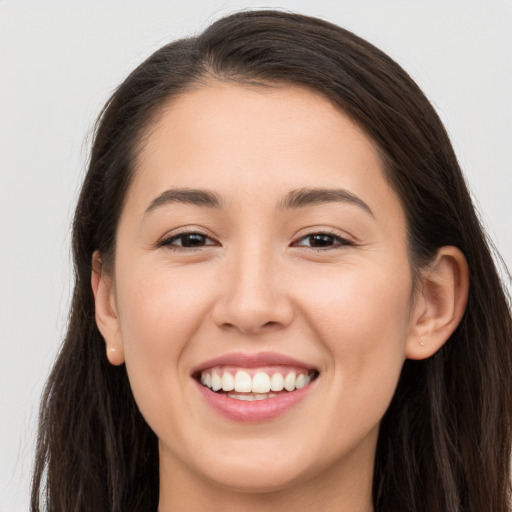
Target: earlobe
x,y
440,303
106,312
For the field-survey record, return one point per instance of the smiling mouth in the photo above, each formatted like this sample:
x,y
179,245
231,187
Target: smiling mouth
x,y
254,384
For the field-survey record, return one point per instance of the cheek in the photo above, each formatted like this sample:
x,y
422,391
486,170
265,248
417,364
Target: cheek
x,y
369,302
160,311
361,316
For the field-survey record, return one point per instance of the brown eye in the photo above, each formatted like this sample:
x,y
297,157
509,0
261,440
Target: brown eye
x,y
187,241
323,241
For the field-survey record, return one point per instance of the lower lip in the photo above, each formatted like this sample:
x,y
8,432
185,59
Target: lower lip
x,y
256,410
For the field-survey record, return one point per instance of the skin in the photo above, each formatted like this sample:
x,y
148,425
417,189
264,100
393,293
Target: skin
x,y
256,284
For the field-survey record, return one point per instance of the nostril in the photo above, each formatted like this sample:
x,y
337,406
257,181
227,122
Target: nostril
x,y
246,327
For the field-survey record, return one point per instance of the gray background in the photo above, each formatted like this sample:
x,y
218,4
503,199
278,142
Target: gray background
x,y
59,61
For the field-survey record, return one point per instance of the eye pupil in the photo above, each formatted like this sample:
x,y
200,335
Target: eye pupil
x,y
320,240
192,240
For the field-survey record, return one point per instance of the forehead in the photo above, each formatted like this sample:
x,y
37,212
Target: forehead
x,y
268,117
241,140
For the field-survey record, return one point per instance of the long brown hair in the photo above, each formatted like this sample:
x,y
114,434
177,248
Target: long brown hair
x,y
445,441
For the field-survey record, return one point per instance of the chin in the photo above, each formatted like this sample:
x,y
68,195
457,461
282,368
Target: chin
x,y
259,469
257,479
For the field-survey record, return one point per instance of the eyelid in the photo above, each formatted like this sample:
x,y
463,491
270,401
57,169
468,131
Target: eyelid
x,y
166,240
344,239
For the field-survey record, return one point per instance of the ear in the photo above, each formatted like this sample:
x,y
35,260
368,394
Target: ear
x,y
106,312
440,303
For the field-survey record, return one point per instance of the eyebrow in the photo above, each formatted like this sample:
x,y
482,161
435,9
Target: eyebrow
x,y
311,196
299,198
198,197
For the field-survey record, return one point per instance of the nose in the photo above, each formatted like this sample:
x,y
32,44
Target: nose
x,y
253,297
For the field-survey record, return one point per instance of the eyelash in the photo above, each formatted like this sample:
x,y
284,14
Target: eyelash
x,y
168,242
337,241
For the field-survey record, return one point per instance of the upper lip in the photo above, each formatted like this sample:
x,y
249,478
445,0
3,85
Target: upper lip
x,y
245,360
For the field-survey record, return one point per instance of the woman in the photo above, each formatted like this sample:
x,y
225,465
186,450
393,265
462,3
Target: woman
x,y
283,295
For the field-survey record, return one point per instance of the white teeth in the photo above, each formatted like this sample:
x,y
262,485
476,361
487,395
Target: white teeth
x,y
277,382
251,398
228,382
261,383
289,382
301,381
243,382
247,398
216,381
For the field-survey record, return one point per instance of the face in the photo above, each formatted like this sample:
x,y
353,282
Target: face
x,y
260,247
